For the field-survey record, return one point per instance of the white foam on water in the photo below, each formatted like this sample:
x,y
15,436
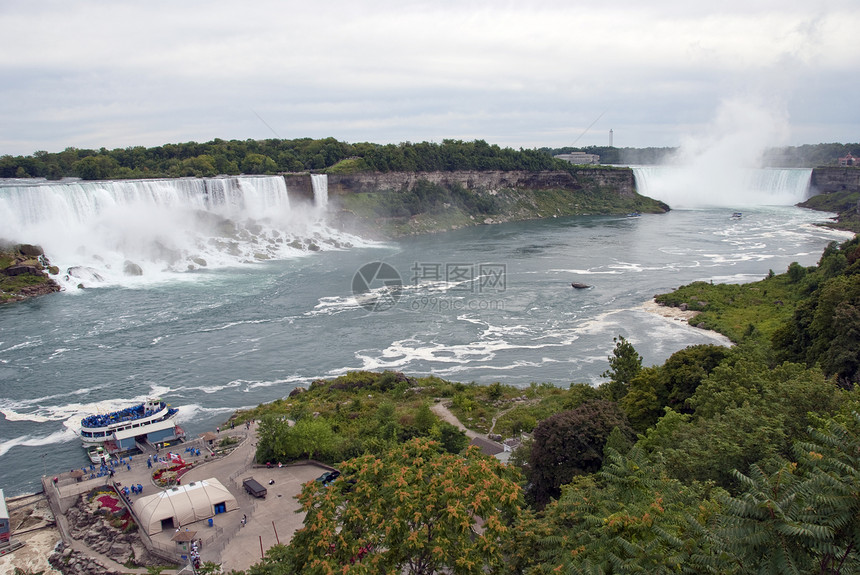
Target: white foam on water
x,y
40,410
193,412
62,436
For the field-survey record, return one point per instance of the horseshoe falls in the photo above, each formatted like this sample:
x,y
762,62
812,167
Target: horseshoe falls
x,y
720,186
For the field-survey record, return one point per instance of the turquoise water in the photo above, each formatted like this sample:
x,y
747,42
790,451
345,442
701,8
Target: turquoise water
x,y
485,304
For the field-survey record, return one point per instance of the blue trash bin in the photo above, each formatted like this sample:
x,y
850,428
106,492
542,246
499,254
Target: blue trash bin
x,y
211,523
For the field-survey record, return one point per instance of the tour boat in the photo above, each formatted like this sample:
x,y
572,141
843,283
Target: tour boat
x,y
152,421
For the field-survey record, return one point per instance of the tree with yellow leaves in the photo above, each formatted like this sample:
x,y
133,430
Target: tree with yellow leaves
x,y
415,509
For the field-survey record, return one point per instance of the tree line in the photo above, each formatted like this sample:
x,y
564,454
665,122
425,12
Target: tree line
x,y
233,157
272,156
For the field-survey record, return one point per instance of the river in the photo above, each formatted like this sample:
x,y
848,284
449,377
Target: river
x,y
484,304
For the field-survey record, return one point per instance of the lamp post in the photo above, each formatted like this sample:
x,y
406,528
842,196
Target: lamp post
x,y
45,464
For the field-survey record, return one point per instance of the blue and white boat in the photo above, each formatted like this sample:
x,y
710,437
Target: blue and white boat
x,y
120,431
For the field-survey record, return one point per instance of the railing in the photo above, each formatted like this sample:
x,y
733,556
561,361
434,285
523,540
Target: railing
x,y
234,477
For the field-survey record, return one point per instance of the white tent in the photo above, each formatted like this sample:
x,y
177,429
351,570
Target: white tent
x,y
183,504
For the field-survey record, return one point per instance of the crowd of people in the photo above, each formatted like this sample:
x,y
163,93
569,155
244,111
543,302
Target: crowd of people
x,y
132,490
195,553
127,414
107,467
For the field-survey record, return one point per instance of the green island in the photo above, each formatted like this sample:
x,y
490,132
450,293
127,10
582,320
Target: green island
x,y
734,459
426,207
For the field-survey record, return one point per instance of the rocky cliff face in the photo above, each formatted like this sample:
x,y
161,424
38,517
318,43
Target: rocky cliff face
x,y
299,186
829,180
836,190
406,203
619,180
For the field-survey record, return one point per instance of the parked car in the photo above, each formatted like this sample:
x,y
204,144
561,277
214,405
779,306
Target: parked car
x,y
328,477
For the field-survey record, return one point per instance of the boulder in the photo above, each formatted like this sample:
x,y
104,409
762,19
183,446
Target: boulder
x,y
85,273
130,268
30,251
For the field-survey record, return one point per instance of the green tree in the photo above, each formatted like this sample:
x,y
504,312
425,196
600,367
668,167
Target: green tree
x,y
571,443
624,364
424,419
271,439
200,166
258,164
644,402
630,517
95,167
796,272
312,437
450,438
414,510
745,412
768,528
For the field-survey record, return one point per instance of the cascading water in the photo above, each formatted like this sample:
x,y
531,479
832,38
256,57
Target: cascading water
x,y
139,230
320,185
718,186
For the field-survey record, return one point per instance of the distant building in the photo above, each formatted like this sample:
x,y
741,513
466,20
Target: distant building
x,y
848,160
579,158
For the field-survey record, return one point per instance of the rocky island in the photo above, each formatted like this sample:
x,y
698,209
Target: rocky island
x,y
24,272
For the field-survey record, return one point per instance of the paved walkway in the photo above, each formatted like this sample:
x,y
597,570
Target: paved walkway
x,y
445,414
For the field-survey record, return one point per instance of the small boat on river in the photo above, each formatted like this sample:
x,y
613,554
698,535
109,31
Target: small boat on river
x,y
577,285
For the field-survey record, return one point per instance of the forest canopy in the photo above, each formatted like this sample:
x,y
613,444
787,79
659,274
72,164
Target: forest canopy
x,y
221,157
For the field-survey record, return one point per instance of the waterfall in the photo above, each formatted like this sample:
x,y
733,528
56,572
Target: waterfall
x,y
718,186
139,230
320,185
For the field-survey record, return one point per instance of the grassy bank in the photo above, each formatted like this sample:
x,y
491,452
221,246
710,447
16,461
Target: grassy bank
x,y
845,204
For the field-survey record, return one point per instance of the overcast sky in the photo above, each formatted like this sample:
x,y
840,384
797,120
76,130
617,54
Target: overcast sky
x,y
111,73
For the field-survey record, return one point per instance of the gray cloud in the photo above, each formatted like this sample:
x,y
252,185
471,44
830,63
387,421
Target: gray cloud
x,y
101,73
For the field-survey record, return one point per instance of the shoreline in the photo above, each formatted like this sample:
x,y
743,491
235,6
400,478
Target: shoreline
x,y
677,316
672,313
39,541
